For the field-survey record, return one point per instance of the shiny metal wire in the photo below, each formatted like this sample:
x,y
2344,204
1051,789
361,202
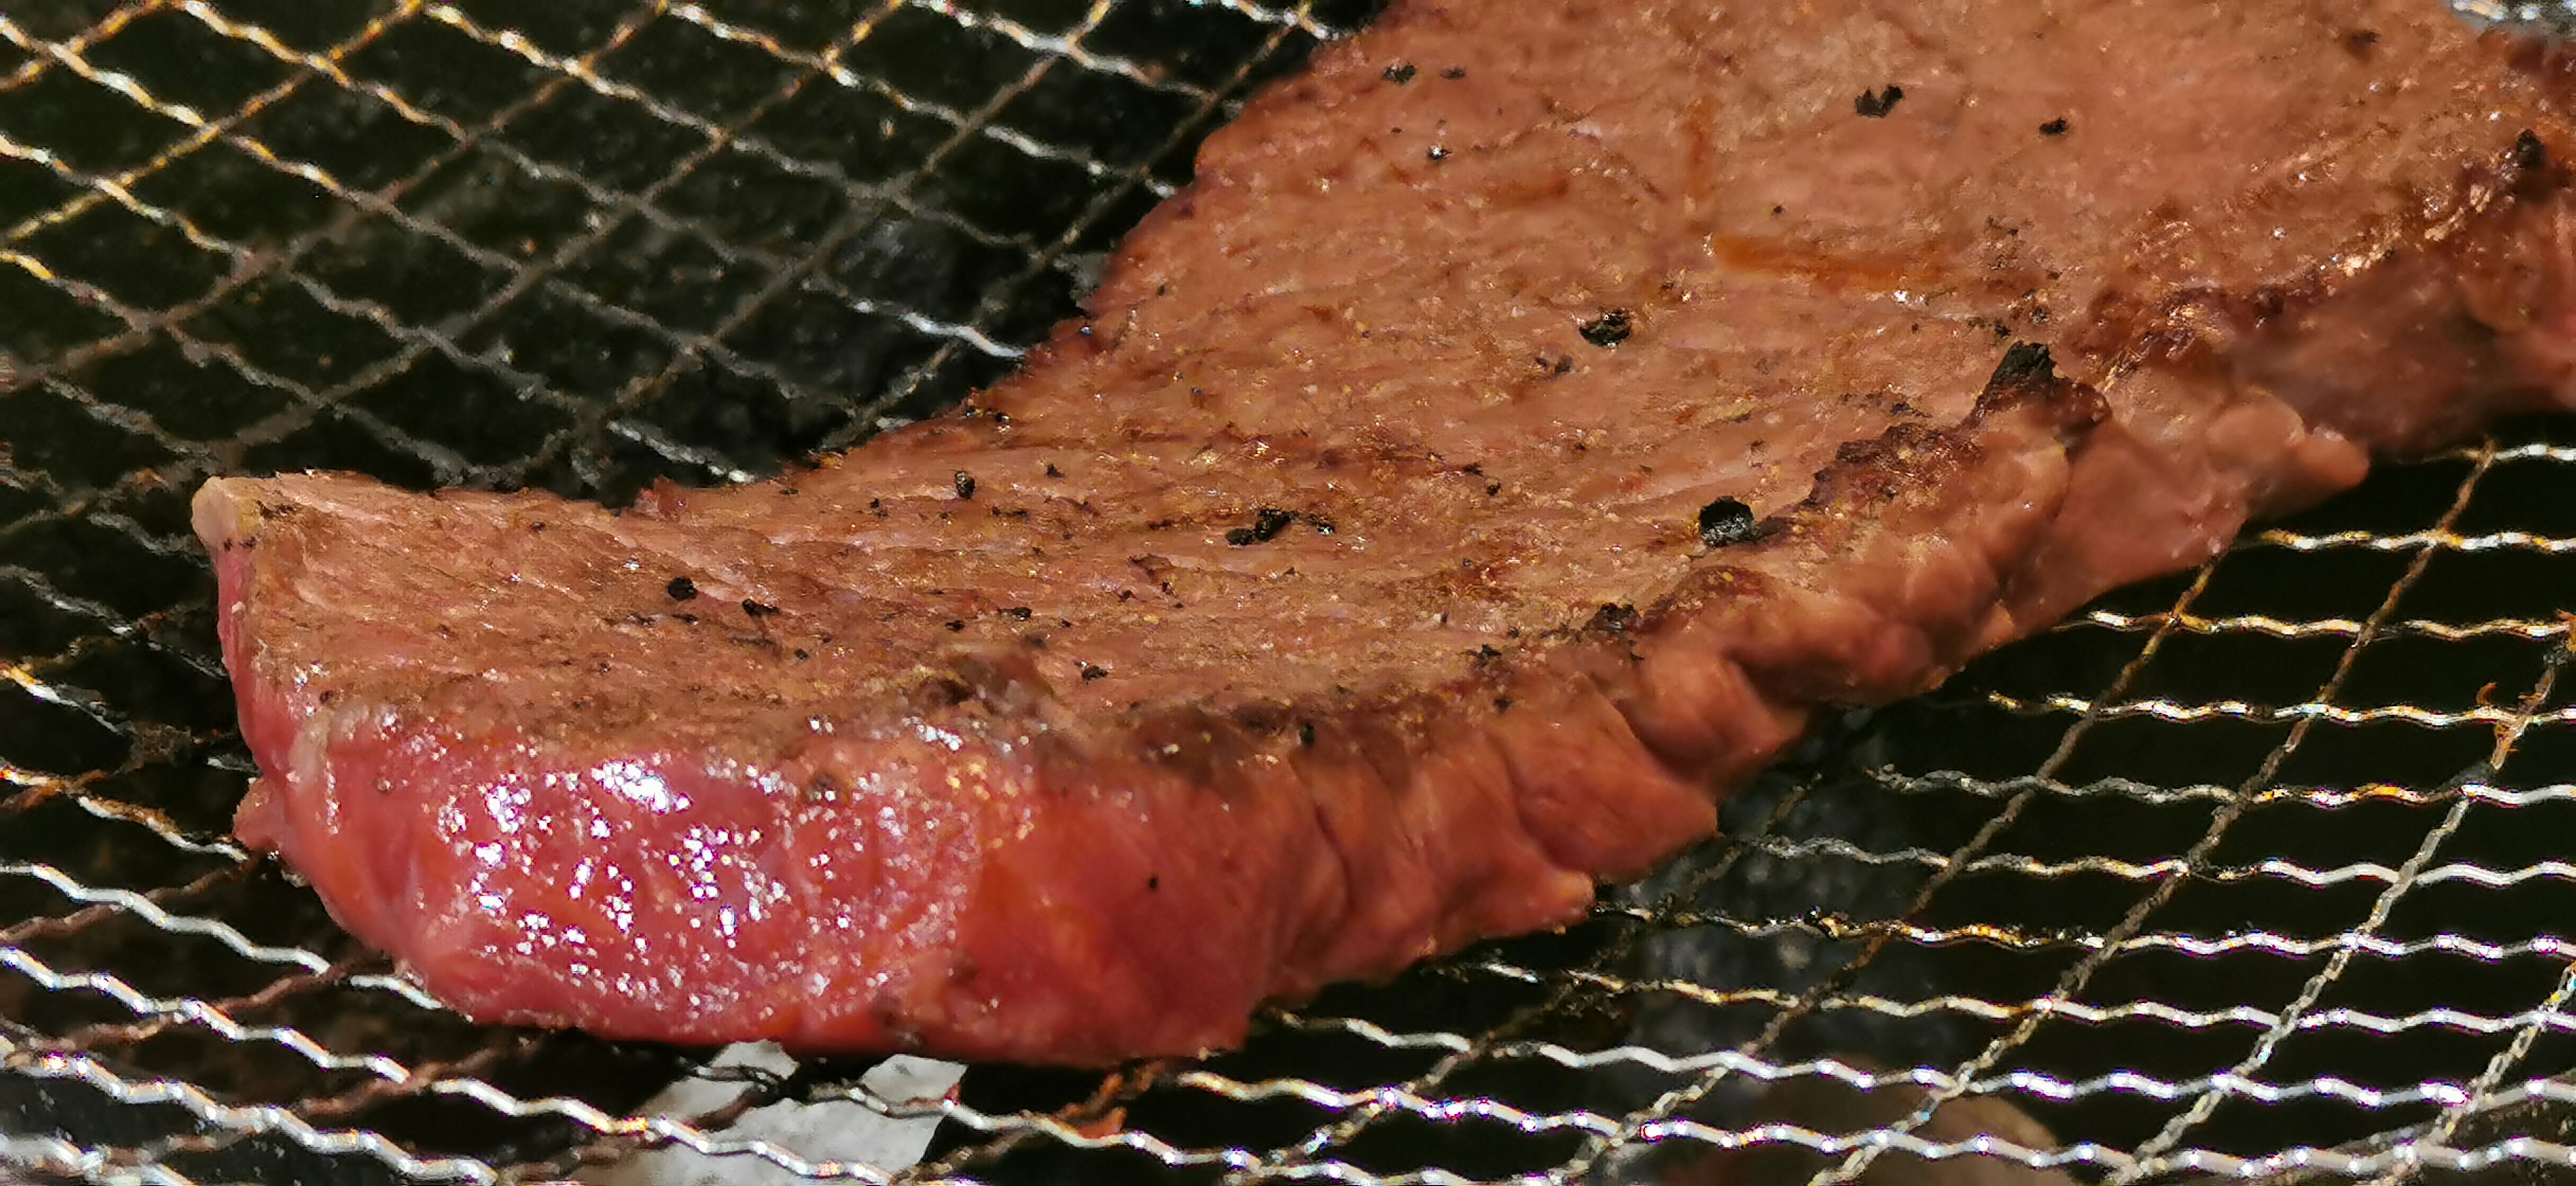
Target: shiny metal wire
x,y
124,871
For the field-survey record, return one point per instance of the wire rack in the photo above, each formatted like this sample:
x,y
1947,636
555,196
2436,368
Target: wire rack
x,y
2249,874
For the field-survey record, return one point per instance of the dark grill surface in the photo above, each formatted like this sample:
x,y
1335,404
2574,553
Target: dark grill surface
x,y
2260,870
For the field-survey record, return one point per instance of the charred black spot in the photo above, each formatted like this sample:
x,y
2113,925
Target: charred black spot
x,y
1305,732
1267,523
801,655
1487,654
1020,612
681,589
2529,154
1502,704
2026,360
954,626
1052,471
2054,127
1726,521
1454,73
1400,73
1614,619
1609,329
757,610
1153,883
1876,104
876,507
1493,488
1090,673
965,484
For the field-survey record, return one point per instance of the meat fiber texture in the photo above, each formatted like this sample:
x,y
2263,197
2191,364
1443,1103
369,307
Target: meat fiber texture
x,y
1531,419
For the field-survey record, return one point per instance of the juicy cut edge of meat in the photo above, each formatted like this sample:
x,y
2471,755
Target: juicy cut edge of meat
x,y
972,873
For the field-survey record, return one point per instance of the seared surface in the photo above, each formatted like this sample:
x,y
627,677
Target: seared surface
x,y
1370,572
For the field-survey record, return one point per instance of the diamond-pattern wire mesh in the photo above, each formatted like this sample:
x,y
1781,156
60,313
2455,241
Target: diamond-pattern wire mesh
x,y
2254,870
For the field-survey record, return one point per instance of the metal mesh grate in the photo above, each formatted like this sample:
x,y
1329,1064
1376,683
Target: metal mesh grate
x,y
2253,872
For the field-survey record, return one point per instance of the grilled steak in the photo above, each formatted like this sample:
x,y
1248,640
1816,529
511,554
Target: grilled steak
x,y
1531,418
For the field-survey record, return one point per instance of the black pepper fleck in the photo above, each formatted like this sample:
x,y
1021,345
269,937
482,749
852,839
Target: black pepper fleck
x,y
1726,521
1876,104
2024,361
1305,733
757,610
1090,673
1399,73
1609,329
681,589
1502,704
2054,127
1052,471
1267,523
1018,611
1614,619
954,626
2529,153
802,655
1153,883
965,483
1493,488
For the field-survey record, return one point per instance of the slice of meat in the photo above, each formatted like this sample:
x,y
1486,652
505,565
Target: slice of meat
x,y
1531,418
